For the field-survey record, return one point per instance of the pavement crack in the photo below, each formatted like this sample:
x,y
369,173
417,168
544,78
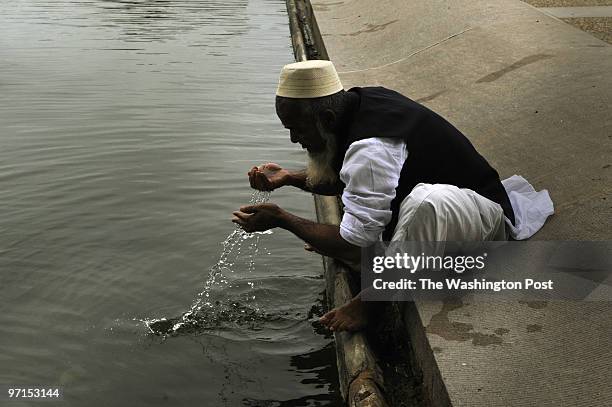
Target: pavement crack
x,y
410,55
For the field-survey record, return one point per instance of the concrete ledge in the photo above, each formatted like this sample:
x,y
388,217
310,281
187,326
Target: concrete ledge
x,y
533,95
361,381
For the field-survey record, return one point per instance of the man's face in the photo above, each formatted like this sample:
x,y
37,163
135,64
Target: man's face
x,y
313,136
297,118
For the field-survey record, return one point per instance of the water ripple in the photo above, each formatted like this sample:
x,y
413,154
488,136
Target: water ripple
x,y
126,130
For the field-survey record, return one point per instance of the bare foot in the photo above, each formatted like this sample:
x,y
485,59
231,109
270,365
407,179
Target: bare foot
x,y
352,316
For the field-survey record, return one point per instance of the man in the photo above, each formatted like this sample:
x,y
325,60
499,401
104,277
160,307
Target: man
x,y
403,171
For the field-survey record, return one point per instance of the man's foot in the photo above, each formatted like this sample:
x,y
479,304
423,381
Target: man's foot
x,y
352,316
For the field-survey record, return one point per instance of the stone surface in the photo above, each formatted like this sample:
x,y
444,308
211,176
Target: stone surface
x,y
592,16
533,95
599,27
568,3
578,12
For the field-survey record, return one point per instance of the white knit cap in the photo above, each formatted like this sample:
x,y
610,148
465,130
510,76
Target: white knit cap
x,y
308,79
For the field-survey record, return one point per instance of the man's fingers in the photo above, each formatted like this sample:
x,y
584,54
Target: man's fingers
x,y
262,181
325,319
252,177
312,249
272,166
248,209
334,324
244,225
241,216
259,180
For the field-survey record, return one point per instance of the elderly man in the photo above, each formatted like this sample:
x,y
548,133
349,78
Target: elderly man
x,y
404,173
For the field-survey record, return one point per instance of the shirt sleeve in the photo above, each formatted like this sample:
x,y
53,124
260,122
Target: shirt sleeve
x,y
370,171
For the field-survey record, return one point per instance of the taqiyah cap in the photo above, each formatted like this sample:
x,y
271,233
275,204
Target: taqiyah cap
x,y
308,79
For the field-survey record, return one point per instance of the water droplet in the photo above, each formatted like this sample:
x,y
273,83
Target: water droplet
x,y
217,278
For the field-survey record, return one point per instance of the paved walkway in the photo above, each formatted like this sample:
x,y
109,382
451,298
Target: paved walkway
x,y
568,12
533,94
592,16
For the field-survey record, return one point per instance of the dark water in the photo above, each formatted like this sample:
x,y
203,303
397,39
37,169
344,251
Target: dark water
x,y
126,130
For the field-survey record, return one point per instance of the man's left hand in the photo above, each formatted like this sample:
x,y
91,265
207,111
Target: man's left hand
x,y
257,218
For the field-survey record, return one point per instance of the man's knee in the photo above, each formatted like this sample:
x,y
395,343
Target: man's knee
x,y
445,212
421,215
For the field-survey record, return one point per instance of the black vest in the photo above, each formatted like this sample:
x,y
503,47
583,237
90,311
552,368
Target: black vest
x,y
438,153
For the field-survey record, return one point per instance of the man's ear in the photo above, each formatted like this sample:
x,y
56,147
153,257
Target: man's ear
x,y
328,118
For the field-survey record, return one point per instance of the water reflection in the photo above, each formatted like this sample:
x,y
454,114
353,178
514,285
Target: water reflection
x,y
160,20
120,168
319,367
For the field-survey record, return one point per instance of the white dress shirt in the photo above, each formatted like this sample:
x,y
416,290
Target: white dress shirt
x,y
371,170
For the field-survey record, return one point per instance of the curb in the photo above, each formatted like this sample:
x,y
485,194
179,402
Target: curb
x,y
361,380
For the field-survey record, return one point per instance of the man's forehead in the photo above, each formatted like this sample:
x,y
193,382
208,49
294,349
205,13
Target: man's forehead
x,y
291,110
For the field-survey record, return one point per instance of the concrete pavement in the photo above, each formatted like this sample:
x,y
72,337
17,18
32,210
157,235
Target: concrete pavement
x,y
592,16
533,94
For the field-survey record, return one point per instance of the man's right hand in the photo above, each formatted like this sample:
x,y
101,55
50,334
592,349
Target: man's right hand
x,y
268,177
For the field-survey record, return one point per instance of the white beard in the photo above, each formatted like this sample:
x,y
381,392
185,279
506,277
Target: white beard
x,y
320,170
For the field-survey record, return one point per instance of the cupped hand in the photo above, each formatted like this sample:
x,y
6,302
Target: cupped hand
x,y
257,218
268,177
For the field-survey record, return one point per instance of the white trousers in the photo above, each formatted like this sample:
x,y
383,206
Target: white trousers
x,y
440,212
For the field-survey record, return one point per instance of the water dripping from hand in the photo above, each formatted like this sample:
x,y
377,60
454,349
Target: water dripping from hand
x,y
206,313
